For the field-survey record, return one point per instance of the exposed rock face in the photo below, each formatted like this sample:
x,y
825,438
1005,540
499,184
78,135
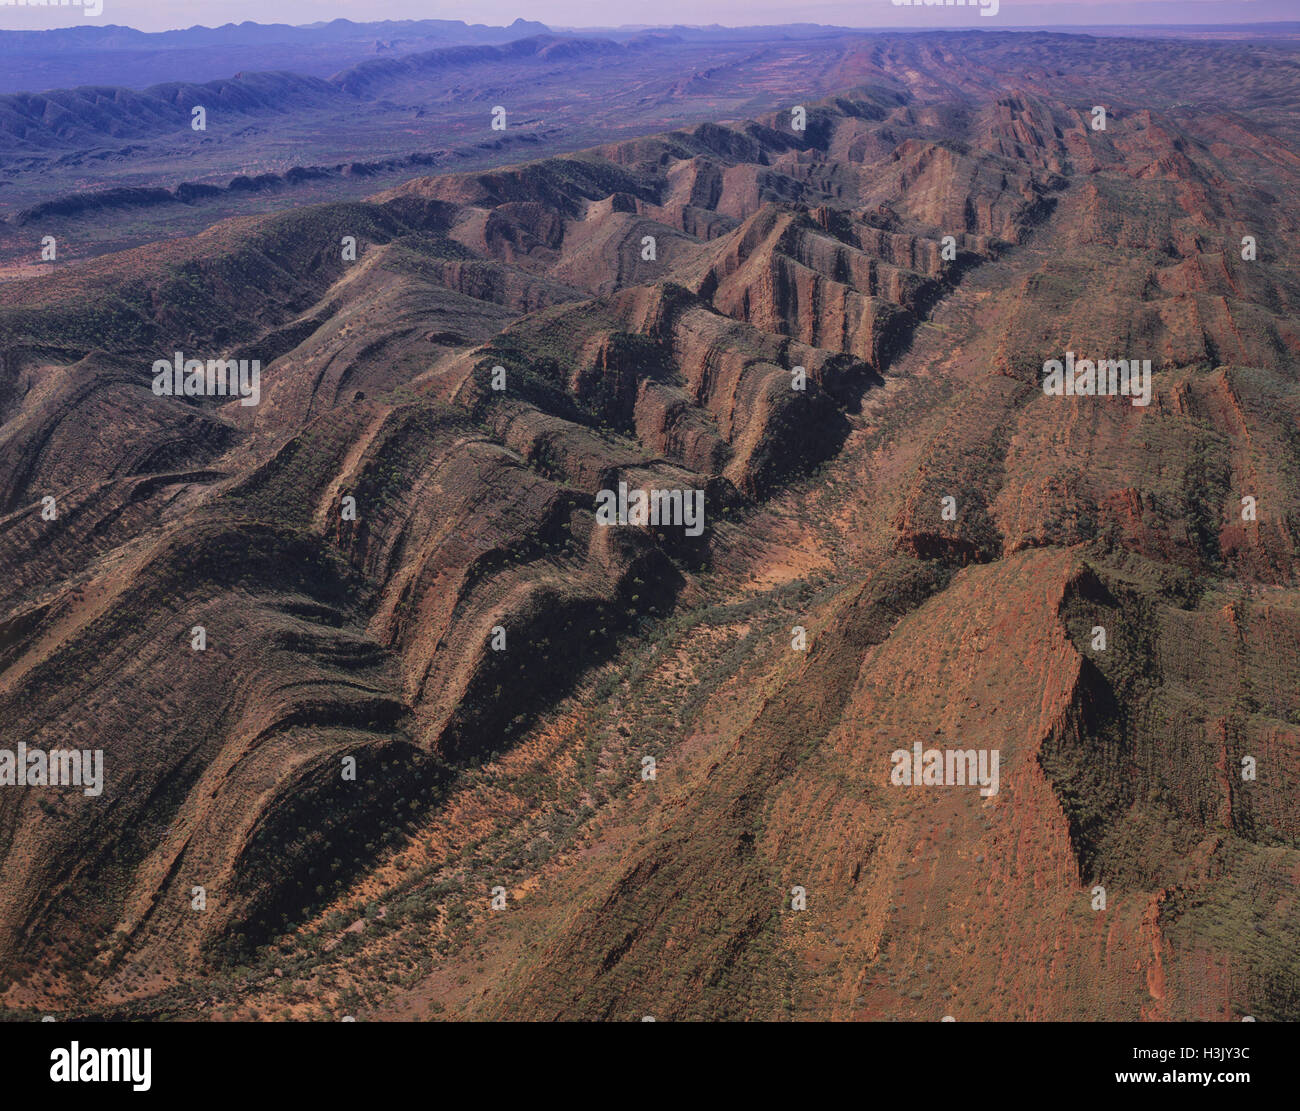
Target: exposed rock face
x,y
730,309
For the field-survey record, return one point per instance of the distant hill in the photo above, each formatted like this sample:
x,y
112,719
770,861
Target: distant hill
x,y
93,113
114,55
115,37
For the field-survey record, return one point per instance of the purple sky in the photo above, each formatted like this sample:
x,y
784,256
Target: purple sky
x,y
158,15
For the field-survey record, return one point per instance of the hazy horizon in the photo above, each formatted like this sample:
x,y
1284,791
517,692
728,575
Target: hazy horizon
x,y
575,15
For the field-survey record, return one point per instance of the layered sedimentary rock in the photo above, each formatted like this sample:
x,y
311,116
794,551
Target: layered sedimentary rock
x,y
834,334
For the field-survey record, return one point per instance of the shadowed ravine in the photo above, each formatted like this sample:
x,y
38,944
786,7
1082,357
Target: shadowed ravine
x,y
498,664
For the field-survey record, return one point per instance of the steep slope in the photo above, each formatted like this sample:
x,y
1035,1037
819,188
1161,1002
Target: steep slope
x,y
836,336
